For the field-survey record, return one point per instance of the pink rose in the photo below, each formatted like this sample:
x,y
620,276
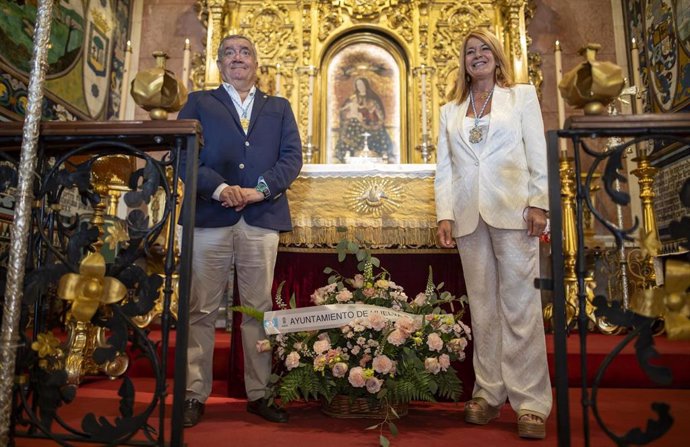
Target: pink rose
x,y
358,281
444,362
263,346
321,346
457,344
431,365
420,299
339,369
343,296
369,292
397,337
406,324
292,360
434,342
356,377
332,354
374,385
382,364
366,358
377,321
318,298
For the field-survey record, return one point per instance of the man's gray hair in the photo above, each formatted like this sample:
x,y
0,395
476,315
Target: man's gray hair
x,y
237,36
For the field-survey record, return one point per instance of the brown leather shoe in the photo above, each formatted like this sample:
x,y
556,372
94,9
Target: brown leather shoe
x,y
269,412
193,409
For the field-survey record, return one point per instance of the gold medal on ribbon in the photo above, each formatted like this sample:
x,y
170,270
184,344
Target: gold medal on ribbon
x,y
476,135
245,124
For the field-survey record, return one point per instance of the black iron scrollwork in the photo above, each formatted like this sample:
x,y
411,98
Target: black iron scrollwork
x,y
51,367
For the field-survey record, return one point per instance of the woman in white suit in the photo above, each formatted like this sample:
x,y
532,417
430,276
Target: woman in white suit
x,y
492,200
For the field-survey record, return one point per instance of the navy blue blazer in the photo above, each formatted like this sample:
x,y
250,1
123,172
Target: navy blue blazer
x,y
272,149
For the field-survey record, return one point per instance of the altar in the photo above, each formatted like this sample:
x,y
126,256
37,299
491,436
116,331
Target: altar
x,y
379,205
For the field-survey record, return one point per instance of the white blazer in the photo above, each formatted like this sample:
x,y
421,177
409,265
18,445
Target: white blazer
x,y
508,174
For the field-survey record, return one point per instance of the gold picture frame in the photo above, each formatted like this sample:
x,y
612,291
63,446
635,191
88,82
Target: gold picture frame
x,y
365,84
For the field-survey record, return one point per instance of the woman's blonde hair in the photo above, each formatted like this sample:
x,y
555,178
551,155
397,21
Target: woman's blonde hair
x,y
503,74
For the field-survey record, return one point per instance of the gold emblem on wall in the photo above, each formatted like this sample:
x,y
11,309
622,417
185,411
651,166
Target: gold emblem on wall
x,y
374,196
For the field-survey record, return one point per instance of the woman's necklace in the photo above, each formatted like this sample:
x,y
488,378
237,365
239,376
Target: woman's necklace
x,y
476,133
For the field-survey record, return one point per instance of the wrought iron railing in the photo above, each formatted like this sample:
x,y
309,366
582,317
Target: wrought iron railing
x,y
95,281
589,137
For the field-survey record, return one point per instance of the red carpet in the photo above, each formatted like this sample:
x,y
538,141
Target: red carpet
x,y
624,404
226,423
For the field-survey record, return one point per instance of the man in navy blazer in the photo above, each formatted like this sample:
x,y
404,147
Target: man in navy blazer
x,y
251,154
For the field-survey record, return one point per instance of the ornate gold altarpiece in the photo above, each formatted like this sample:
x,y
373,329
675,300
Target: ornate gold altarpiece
x,y
297,42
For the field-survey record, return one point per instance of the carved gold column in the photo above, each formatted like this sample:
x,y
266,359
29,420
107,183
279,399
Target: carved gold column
x,y
216,9
569,236
515,36
645,173
156,262
570,247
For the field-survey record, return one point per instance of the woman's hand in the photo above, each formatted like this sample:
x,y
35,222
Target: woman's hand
x,y
536,221
445,235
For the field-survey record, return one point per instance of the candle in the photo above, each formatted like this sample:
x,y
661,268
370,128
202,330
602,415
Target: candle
x,y
187,56
124,93
424,129
635,57
310,110
278,79
561,105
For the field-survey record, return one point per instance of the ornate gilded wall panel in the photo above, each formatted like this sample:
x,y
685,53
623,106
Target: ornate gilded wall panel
x,y
295,37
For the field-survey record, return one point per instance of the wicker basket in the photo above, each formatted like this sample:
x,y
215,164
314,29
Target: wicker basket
x,y
341,406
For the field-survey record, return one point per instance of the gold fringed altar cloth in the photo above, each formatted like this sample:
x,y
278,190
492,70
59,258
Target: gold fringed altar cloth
x,y
382,205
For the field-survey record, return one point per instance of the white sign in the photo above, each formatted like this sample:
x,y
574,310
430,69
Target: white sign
x,y
325,317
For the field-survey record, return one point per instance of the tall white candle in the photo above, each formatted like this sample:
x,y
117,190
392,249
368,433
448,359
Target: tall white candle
x,y
310,110
186,59
124,93
635,58
278,80
561,105
424,128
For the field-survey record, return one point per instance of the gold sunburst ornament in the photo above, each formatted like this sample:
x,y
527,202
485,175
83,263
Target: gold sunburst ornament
x,y
90,287
374,196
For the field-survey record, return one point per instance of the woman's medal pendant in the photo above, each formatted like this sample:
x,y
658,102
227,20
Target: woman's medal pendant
x,y
476,135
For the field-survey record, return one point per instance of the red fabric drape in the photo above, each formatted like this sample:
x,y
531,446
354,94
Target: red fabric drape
x,y
303,273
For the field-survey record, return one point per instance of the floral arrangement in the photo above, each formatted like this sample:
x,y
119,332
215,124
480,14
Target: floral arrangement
x,y
388,361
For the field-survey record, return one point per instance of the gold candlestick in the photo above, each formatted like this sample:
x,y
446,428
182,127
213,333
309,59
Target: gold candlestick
x,y
645,173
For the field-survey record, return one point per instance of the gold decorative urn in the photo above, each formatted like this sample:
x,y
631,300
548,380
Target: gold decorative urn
x,y
592,84
157,90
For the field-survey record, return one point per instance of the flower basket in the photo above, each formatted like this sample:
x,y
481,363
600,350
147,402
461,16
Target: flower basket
x,y
365,344
342,406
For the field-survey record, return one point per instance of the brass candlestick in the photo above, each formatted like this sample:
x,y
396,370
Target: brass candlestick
x,y
645,173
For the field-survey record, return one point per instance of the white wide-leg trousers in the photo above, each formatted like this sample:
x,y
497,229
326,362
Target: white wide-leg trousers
x,y
506,314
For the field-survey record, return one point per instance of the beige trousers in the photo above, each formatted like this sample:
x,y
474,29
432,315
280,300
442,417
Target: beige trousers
x,y
253,251
507,327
